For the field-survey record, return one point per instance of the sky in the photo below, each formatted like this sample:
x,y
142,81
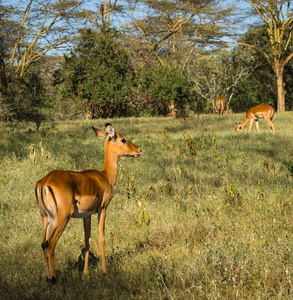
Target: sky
x,y
92,4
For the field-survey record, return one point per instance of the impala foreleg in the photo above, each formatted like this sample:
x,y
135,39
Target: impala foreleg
x,y
250,124
102,217
87,235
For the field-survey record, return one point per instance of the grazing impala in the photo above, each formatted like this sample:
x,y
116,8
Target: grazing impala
x,y
62,195
220,105
254,113
174,114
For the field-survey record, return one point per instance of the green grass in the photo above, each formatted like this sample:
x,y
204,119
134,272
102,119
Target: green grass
x,y
219,205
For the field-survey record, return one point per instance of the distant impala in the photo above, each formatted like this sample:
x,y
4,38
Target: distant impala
x,y
254,113
220,105
174,114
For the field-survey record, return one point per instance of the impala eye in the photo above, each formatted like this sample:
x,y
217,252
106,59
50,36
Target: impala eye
x,y
123,141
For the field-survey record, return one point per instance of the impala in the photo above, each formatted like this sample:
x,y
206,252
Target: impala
x,y
174,114
254,113
220,105
62,195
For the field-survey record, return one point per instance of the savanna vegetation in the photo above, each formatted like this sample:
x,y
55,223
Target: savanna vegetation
x,y
204,213
66,60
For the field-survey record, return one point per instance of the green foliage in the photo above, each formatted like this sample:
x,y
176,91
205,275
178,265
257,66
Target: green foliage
x,y
97,75
158,87
260,86
26,99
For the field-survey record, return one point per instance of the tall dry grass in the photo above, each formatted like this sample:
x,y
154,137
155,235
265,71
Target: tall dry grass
x,y
205,213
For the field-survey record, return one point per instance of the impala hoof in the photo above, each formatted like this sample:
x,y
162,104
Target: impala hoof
x,y
53,280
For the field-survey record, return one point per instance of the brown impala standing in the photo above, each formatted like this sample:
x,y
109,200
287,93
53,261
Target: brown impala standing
x,y
254,113
220,105
62,195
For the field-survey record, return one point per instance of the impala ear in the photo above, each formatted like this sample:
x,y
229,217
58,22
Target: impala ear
x,y
100,133
110,130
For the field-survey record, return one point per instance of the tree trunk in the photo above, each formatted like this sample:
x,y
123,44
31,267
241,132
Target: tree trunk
x,y
280,89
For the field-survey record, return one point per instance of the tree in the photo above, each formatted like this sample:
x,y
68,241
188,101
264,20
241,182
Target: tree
x,y
38,27
101,18
219,74
156,89
278,18
97,75
29,31
173,32
29,99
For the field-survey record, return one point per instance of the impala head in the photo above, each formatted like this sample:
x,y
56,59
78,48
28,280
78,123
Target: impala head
x,y
238,127
117,143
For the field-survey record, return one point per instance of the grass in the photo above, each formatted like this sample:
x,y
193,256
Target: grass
x,y
205,213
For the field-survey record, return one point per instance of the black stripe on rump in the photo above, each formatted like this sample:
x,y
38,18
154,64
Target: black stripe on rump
x,y
53,196
40,194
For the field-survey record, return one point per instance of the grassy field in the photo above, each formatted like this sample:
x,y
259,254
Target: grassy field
x,y
204,213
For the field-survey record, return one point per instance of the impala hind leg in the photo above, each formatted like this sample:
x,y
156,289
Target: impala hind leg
x,y
50,244
257,125
46,232
272,126
87,236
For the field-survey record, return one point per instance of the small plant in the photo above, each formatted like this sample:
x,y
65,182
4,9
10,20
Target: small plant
x,y
214,147
143,217
32,153
269,166
260,189
3,208
166,188
130,186
45,153
232,195
202,144
290,168
191,144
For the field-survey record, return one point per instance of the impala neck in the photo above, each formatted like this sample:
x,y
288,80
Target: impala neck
x,y
110,168
245,121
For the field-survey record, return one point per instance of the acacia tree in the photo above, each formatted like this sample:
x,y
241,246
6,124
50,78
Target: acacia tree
x,y
174,31
101,17
29,31
278,18
38,27
219,74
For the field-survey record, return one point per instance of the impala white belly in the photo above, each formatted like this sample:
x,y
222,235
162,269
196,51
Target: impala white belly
x,y
82,214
